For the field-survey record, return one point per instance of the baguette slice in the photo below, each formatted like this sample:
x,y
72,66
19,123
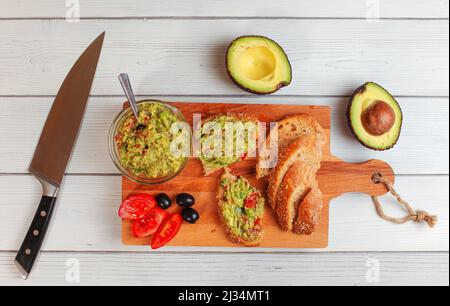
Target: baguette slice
x,y
309,213
289,130
213,164
242,222
295,187
306,149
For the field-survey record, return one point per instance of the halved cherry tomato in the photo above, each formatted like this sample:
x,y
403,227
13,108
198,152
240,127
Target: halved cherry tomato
x,y
136,206
251,200
167,231
244,156
150,223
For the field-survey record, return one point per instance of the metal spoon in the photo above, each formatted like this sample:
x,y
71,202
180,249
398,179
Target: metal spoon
x,y
126,85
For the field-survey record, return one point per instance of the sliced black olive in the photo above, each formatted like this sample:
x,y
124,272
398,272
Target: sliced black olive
x,y
185,200
163,200
190,215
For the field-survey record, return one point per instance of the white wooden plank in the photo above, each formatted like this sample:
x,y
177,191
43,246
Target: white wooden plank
x,y
352,269
87,220
423,147
329,57
228,8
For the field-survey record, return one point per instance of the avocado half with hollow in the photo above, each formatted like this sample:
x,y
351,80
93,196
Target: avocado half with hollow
x,y
375,117
258,65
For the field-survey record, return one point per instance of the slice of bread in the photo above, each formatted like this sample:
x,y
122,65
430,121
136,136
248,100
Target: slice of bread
x,y
209,165
251,235
305,149
289,130
296,185
309,213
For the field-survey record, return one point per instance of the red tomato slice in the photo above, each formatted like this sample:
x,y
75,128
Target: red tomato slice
x,y
251,201
136,206
167,231
150,223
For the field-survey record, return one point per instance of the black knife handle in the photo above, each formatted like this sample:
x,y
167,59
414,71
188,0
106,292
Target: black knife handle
x,y
32,244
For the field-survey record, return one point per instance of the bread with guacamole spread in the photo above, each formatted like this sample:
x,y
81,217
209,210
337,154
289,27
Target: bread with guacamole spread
x,y
241,209
226,139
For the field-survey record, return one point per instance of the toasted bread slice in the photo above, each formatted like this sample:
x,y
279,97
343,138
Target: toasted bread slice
x,y
289,130
306,149
213,163
309,213
241,209
296,185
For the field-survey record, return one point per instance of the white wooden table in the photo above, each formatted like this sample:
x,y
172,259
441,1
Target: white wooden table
x,y
174,50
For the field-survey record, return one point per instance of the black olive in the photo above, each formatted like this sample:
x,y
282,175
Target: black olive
x,y
185,200
190,215
163,200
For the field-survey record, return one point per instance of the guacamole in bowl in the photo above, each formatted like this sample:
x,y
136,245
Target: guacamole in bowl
x,y
152,148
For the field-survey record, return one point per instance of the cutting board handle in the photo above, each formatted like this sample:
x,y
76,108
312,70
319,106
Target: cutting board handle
x,y
347,177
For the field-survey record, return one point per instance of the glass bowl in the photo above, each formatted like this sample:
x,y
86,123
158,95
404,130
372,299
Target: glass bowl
x,y
113,149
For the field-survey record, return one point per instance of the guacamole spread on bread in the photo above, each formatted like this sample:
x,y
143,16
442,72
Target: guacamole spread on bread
x,y
242,208
144,145
225,140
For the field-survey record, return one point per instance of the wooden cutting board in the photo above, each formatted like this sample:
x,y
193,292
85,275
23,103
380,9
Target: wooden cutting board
x,y
336,177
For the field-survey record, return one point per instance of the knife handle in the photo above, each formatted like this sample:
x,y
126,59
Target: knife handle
x,y
32,244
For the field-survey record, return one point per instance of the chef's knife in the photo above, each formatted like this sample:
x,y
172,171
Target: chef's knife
x,y
55,147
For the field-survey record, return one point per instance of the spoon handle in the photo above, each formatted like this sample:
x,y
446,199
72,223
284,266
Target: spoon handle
x,y
126,85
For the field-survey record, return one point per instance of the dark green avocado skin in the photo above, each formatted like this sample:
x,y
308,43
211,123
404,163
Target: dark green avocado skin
x,y
281,85
358,91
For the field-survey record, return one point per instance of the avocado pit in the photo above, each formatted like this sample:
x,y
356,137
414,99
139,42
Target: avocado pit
x,y
375,117
378,119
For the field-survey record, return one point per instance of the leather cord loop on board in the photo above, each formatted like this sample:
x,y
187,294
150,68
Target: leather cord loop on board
x,y
418,216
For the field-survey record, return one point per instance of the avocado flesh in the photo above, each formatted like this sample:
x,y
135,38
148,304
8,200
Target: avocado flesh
x,y
258,65
364,98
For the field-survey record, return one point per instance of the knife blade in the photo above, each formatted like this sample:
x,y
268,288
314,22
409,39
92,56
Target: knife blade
x,y
55,147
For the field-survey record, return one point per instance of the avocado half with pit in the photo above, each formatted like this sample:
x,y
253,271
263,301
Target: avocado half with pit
x,y
258,65
375,117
